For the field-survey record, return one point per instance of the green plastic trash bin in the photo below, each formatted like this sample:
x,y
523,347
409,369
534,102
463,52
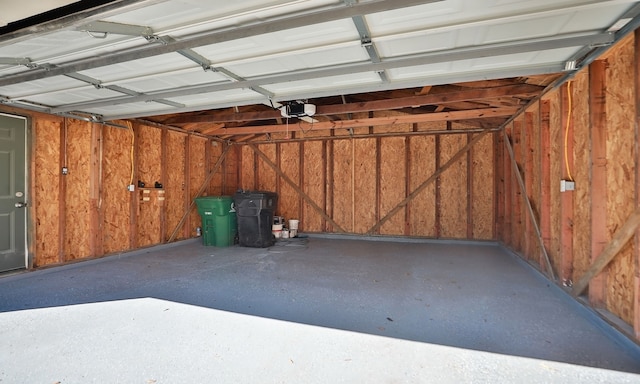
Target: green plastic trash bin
x,y
219,222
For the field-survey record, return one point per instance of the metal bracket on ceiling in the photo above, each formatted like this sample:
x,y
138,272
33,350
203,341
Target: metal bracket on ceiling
x,y
85,79
168,102
16,61
367,43
107,27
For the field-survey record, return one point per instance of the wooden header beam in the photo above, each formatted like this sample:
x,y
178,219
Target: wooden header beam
x,y
520,90
375,121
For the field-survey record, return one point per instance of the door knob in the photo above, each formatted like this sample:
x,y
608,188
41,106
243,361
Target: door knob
x,y
21,204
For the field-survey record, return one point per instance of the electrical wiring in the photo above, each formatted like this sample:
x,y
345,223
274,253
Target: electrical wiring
x,y
566,132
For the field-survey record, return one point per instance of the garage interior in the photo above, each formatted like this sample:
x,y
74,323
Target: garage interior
x,y
400,133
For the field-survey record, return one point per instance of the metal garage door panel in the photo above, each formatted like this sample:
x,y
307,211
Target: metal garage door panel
x,y
311,59
307,39
335,82
173,79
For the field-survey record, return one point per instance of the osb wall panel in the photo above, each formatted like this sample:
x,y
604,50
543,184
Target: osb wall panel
x,y
77,233
453,188
534,193
556,159
507,173
232,162
116,175
219,180
620,167
290,165
431,126
621,116
364,185
175,186
392,183
482,200
343,184
423,206
149,151
149,169
248,173
314,186
197,172
46,168
581,173
518,206
266,174
391,127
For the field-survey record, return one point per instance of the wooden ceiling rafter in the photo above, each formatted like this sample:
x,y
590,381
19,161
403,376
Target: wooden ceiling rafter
x,y
523,90
484,104
374,121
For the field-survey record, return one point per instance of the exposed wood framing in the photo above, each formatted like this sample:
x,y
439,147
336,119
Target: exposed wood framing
x,y
200,191
95,190
598,124
532,217
636,255
469,189
435,132
62,191
374,121
295,187
407,183
498,170
133,197
609,252
378,183
527,157
437,225
521,90
566,204
518,231
163,176
187,203
301,215
327,168
508,189
545,172
432,178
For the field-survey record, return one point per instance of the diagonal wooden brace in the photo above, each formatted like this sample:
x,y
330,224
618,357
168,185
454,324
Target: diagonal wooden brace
x,y
430,180
295,187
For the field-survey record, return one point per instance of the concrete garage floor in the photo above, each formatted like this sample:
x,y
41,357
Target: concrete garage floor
x,y
323,310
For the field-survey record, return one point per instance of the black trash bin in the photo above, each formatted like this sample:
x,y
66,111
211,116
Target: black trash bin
x,y
254,210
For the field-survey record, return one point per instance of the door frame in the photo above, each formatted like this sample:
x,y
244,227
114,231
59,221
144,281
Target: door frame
x,y
29,191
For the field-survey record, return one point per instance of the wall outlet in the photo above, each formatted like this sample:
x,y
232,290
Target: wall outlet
x,y
567,185
131,187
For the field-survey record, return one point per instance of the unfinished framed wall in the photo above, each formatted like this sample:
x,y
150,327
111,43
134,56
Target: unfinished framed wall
x,y
584,131
89,212
421,182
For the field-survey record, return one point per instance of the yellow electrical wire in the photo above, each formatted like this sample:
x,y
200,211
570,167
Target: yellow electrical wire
x,y
566,132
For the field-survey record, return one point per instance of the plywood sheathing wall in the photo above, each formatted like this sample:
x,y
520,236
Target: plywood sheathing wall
x,y
596,112
89,212
357,181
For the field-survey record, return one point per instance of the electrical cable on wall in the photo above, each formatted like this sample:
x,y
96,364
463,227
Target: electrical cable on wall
x,y
566,132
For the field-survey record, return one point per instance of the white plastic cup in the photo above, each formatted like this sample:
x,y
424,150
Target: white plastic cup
x,y
285,233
